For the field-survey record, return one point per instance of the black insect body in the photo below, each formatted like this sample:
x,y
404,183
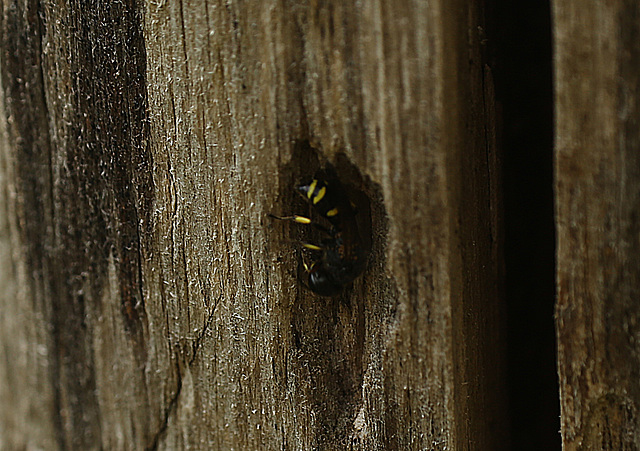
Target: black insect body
x,y
343,256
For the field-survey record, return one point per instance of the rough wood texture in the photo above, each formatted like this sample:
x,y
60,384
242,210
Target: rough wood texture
x,y
148,302
597,79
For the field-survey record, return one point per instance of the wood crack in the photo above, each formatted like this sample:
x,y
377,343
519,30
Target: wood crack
x,y
173,403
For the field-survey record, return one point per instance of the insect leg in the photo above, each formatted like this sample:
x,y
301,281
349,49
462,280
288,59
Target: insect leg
x,y
302,220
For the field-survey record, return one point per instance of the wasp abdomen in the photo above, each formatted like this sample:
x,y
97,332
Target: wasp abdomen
x,y
329,200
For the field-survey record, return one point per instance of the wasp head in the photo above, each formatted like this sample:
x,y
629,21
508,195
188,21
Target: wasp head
x,y
321,282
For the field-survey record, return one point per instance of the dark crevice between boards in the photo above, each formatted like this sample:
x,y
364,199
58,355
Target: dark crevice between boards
x,y
329,333
520,36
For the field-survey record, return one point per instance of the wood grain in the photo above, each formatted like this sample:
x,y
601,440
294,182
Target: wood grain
x,y
597,85
144,145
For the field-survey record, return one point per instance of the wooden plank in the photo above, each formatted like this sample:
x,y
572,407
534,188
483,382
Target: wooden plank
x,y
169,131
27,387
597,83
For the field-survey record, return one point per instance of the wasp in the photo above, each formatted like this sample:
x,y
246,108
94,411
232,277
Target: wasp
x,y
341,254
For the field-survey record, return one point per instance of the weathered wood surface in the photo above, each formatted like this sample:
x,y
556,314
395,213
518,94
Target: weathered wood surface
x,y
597,84
147,301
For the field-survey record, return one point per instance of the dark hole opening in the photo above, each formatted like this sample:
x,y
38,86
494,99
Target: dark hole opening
x,y
521,33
